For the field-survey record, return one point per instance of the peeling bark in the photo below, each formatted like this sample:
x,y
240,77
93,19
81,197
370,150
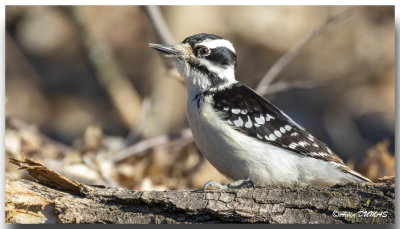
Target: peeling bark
x,y
31,202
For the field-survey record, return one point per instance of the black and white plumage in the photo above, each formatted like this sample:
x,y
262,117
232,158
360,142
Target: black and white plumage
x,y
242,134
258,118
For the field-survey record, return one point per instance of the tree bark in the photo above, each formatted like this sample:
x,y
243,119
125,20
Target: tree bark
x,y
56,199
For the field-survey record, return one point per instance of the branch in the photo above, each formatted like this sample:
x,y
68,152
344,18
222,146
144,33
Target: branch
x,y
161,29
31,202
157,21
273,72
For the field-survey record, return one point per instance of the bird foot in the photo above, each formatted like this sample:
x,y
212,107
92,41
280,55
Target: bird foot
x,y
241,184
214,184
233,185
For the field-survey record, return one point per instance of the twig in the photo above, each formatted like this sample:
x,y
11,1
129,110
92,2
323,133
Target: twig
x,y
272,73
160,28
163,140
157,21
136,131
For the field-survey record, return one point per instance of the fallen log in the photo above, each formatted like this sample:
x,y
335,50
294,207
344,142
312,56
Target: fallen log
x,y
53,198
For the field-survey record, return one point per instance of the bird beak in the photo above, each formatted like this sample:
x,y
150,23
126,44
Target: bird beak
x,y
169,50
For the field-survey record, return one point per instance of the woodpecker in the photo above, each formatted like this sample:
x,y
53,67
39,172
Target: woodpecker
x,y
241,134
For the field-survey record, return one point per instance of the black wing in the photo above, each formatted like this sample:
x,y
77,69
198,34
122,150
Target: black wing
x,y
251,114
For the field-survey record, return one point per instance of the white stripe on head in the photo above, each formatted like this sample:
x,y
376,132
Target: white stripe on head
x,y
217,43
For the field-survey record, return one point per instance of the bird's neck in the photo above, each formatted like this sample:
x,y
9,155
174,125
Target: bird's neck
x,y
201,80
198,83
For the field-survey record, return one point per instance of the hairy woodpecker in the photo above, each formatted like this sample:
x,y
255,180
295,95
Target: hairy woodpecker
x,y
241,134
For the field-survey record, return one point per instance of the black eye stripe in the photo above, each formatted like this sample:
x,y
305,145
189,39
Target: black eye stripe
x,y
222,56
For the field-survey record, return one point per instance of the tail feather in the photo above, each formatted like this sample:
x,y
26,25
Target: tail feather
x,y
353,175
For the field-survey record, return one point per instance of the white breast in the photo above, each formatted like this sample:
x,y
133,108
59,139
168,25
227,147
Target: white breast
x,y
239,156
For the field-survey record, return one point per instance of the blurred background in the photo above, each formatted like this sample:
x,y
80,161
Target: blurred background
x,y
88,98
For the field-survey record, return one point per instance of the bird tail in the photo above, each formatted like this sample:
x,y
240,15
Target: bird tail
x,y
354,176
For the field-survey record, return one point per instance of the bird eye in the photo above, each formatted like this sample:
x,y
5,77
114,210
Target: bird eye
x,y
203,51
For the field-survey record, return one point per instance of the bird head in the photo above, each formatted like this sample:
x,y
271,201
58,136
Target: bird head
x,y
205,61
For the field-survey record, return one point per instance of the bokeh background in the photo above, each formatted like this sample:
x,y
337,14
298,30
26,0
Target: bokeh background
x,y
88,98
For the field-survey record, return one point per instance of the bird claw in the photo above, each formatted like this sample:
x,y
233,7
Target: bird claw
x,y
234,185
215,184
241,184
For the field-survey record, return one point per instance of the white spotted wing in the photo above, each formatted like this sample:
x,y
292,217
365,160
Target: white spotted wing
x,y
249,113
